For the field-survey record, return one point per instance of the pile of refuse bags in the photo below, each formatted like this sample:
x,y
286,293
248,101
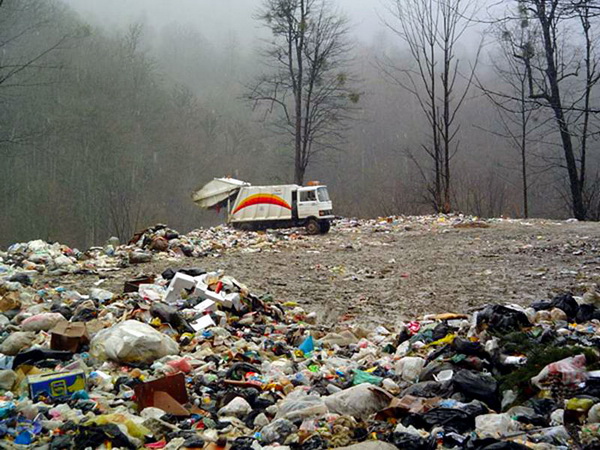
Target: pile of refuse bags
x,y
192,359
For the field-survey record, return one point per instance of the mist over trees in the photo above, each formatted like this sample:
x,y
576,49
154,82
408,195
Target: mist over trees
x,y
107,129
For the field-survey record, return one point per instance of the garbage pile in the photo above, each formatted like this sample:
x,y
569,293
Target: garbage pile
x,y
188,359
155,243
434,222
161,242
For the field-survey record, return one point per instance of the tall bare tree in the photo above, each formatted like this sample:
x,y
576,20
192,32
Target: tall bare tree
x,y
432,29
516,113
554,81
307,80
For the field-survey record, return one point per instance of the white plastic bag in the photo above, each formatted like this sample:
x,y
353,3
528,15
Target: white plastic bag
x,y
132,342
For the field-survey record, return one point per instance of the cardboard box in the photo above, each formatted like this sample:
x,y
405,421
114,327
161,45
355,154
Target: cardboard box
x,y
69,336
56,384
168,393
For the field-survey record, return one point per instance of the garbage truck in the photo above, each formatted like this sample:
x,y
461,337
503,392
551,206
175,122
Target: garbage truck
x,y
259,207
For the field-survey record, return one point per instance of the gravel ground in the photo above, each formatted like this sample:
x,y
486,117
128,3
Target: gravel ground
x,y
382,273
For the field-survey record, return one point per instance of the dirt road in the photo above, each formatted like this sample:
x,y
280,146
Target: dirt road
x,y
381,273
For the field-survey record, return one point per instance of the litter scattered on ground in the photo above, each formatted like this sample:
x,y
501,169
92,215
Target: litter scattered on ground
x,y
191,358
161,242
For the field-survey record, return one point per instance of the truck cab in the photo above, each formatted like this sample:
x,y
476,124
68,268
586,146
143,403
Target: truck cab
x,y
314,205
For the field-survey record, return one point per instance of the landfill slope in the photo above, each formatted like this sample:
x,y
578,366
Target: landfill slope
x,y
412,333
380,271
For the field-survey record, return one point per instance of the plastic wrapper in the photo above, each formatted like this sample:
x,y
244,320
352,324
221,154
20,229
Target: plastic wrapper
x,y
569,371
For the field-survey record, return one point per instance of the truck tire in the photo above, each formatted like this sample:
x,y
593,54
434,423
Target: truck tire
x,y
313,227
324,226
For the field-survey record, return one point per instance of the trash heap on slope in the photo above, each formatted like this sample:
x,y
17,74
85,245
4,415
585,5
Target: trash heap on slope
x,y
161,242
189,359
155,243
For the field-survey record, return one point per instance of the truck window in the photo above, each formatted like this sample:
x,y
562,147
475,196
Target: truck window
x,y
323,195
308,196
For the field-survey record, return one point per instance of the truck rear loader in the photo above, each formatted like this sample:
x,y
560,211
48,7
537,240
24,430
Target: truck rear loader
x,y
260,207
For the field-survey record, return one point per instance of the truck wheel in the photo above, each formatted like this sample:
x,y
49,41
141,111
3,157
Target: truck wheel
x,y
325,226
246,227
312,227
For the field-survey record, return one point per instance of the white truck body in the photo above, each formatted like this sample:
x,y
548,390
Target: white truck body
x,y
253,207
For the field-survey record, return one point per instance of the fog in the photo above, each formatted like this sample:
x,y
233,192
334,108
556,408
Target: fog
x,y
120,109
216,19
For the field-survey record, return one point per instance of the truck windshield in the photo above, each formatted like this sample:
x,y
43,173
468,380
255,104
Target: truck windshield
x,y
323,194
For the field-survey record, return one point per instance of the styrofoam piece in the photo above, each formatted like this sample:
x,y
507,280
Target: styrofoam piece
x,y
180,281
203,322
235,299
204,292
206,305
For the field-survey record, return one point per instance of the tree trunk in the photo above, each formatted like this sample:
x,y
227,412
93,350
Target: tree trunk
x,y
577,205
524,122
524,170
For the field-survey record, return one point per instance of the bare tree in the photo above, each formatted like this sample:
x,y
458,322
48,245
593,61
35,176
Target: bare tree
x,y
516,113
554,82
308,81
23,57
432,29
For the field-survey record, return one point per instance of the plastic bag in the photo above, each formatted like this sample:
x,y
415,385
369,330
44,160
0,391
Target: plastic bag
x,y
501,319
359,401
134,429
492,444
410,368
451,419
430,389
16,342
477,386
494,425
132,342
409,441
298,405
42,322
370,445
238,407
277,431
570,371
567,303
361,377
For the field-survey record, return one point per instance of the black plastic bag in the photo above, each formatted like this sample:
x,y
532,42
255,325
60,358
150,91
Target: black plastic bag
x,y
477,386
313,443
587,313
493,444
93,436
430,389
541,305
408,441
62,442
440,331
37,356
567,303
501,319
170,315
451,419
543,406
238,370
466,347
433,368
